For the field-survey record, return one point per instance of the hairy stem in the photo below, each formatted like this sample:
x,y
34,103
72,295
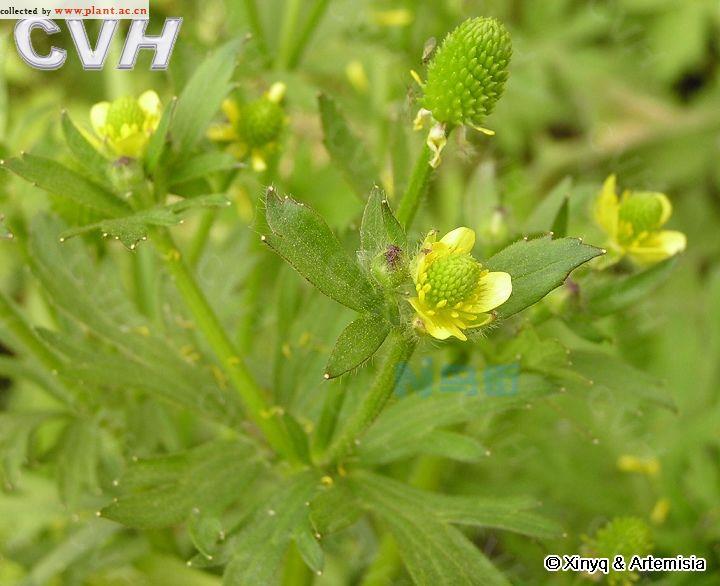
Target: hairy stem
x,y
416,189
400,347
312,22
250,393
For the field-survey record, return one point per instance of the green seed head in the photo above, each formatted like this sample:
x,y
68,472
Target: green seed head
x,y
467,75
261,122
452,278
624,536
125,110
643,211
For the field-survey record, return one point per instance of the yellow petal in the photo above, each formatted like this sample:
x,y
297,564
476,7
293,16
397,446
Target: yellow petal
x,y
231,110
149,102
98,117
131,145
493,290
666,208
222,132
436,141
657,246
607,207
483,320
436,325
460,240
258,161
355,72
276,93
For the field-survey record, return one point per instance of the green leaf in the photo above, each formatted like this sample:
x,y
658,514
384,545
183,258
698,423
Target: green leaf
x,y
346,150
164,491
616,294
260,547
309,547
334,509
85,153
546,212
452,445
82,545
402,428
202,165
132,229
506,513
612,373
159,139
537,267
305,241
201,98
373,236
560,223
357,343
205,531
395,232
77,460
59,180
433,551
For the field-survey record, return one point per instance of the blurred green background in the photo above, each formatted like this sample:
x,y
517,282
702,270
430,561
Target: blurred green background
x,y
596,87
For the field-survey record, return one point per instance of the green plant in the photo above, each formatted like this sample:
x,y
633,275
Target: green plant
x,y
275,431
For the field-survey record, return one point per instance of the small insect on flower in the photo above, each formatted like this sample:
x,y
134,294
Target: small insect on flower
x,y
454,292
126,124
465,79
253,128
633,224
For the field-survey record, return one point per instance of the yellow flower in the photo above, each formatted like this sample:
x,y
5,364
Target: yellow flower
x,y
252,128
454,292
633,224
126,124
630,463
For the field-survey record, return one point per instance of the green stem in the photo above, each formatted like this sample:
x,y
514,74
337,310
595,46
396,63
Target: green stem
x,y
145,282
400,348
256,26
289,26
200,238
251,395
312,22
417,187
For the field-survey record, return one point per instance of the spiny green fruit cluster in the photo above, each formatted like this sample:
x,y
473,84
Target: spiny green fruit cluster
x,y
467,75
125,110
643,210
261,122
453,278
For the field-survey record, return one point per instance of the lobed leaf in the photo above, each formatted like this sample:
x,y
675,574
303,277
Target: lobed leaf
x,y
61,181
164,491
433,551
